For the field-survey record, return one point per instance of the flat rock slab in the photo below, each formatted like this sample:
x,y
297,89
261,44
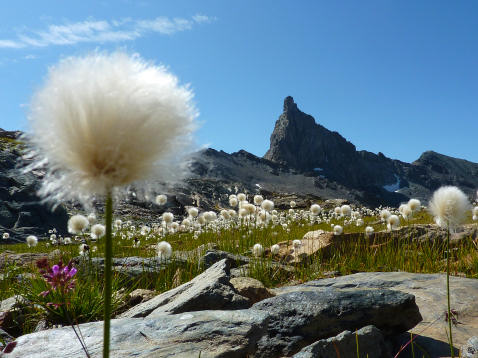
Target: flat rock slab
x,y
371,344
209,290
205,333
430,294
299,318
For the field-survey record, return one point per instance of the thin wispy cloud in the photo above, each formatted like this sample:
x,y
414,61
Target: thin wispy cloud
x,y
100,31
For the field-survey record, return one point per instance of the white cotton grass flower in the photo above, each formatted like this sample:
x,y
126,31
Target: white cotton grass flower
x,y
164,250
6,236
345,210
168,217
241,197
91,218
359,222
257,250
292,204
233,201
414,205
275,249
338,230
107,121
406,212
449,206
393,222
369,230
32,241
193,212
267,205
258,199
97,231
161,199
475,213
315,209
296,244
385,214
118,223
77,224
337,210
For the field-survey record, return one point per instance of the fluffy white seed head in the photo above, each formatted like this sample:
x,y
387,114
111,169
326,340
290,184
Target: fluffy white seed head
x,y
241,197
91,218
161,199
315,209
32,241
267,205
345,210
407,212
233,201
338,230
337,210
257,250
449,206
97,231
414,204
296,244
258,199
77,223
275,249
193,212
369,230
393,222
168,217
475,211
164,250
106,121
210,216
293,204
6,235
359,222
385,214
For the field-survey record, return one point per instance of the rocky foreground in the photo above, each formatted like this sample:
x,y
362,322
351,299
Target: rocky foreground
x,y
216,316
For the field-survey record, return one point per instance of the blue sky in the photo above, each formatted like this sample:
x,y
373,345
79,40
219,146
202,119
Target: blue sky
x,y
399,77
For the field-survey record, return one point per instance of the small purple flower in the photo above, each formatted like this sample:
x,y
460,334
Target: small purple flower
x,y
58,276
55,269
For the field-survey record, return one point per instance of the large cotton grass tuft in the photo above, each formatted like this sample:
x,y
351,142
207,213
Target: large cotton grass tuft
x,y
449,206
106,121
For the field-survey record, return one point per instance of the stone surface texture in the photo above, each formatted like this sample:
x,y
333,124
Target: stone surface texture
x,y
251,288
209,290
430,296
371,344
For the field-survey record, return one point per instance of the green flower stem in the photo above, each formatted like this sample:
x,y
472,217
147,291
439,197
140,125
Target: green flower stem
x,y
108,275
448,289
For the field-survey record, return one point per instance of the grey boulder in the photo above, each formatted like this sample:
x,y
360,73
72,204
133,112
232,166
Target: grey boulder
x,y
209,290
371,344
205,334
297,319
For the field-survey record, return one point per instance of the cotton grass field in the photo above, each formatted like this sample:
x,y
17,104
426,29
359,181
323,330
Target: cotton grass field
x,y
249,229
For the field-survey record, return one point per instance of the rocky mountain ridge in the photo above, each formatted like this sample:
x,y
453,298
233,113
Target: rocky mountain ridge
x,y
306,162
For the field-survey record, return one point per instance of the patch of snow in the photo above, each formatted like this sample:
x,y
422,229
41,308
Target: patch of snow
x,y
258,185
393,187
